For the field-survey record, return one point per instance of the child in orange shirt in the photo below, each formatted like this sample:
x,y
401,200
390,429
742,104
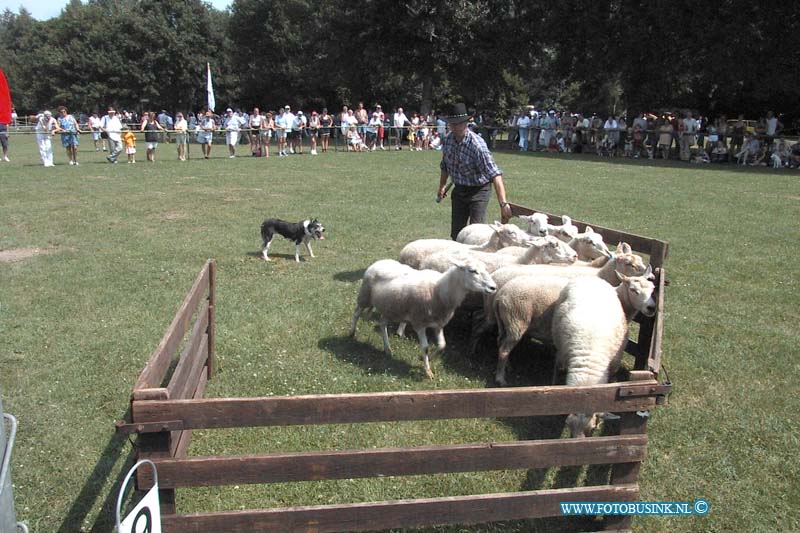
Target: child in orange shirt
x,y
130,145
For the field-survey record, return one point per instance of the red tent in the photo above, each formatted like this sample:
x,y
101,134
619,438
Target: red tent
x,y
5,100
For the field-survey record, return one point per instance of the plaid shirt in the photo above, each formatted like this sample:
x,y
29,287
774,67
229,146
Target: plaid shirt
x,y
468,163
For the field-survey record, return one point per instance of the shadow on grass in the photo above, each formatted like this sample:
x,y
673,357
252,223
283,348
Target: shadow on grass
x,y
95,484
367,357
273,256
349,276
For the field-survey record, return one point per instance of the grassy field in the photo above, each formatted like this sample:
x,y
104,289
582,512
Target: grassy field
x,y
103,255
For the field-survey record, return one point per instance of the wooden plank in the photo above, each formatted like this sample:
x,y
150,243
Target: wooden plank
x,y
156,367
159,393
212,288
191,353
628,473
324,465
185,437
611,236
378,407
403,513
654,356
183,386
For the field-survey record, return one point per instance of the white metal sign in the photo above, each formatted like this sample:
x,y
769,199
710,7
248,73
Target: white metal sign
x,y
146,516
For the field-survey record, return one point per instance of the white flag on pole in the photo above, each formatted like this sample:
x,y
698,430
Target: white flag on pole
x,y
210,89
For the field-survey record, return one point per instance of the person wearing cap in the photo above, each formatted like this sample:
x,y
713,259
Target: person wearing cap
x,y
232,124
45,125
468,162
299,130
112,126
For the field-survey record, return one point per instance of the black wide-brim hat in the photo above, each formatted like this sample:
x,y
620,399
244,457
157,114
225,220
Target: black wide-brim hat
x,y
456,114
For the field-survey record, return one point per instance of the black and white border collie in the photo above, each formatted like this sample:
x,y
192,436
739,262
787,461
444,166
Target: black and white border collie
x,y
300,232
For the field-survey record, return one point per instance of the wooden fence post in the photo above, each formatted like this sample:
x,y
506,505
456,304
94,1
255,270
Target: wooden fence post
x,y
212,282
628,473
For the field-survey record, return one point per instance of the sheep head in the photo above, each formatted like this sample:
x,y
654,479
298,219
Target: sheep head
x,y
638,292
475,276
589,245
629,264
537,224
510,235
556,251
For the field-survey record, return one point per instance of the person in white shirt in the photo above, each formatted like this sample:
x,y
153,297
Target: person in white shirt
x,y
372,130
112,125
45,125
97,135
611,129
687,136
181,135
524,124
400,121
774,127
280,131
232,124
291,133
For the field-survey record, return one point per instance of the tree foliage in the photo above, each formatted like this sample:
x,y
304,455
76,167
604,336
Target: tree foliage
x,y
604,56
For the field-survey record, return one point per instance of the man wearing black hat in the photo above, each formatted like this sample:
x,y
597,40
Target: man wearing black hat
x,y
467,160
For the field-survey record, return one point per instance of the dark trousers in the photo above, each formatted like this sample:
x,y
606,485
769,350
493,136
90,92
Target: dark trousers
x,y
469,206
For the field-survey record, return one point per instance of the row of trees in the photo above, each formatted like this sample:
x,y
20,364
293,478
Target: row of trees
x,y
601,56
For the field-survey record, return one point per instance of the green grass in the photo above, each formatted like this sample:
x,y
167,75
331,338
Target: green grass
x,y
125,242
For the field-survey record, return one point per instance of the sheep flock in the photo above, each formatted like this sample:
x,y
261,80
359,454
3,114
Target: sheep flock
x,y
561,287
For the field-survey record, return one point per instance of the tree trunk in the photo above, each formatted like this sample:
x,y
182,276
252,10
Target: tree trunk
x,y
427,93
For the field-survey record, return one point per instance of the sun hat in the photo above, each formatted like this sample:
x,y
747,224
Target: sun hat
x,y
456,114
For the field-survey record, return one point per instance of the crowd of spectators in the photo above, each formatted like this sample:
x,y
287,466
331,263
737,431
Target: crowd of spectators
x,y
288,132
657,136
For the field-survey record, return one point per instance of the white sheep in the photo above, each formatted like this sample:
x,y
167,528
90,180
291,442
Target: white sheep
x,y
589,245
475,234
543,250
623,261
566,231
422,298
538,226
502,235
527,305
590,331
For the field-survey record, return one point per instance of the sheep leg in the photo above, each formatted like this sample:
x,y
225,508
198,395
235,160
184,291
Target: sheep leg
x,y
356,315
505,345
423,343
401,329
385,336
